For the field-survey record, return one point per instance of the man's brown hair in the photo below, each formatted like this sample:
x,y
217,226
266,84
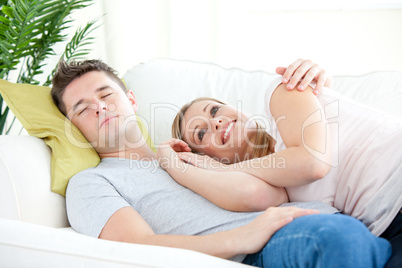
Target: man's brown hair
x,y
67,72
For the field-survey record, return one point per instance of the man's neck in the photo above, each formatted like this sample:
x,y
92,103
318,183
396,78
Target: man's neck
x,y
143,153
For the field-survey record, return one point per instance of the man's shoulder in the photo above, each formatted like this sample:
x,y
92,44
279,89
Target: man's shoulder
x,y
111,168
85,176
90,175
104,165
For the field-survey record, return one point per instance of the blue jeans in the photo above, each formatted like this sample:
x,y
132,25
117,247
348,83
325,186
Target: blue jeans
x,y
394,235
323,240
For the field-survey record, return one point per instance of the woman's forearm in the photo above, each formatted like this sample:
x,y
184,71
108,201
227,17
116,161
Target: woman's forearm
x,y
293,166
231,190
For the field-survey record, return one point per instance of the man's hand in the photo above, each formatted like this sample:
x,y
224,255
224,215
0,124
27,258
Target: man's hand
x,y
304,71
252,237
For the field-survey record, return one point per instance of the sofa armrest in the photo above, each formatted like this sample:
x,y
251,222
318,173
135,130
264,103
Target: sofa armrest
x,y
25,193
25,244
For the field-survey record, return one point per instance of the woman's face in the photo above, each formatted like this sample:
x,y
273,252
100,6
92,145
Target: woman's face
x,y
219,130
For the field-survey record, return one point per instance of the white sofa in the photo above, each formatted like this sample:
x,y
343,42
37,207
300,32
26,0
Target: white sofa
x,y
34,230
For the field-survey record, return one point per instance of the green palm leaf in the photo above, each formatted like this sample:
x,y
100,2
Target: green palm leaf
x,y
28,31
75,48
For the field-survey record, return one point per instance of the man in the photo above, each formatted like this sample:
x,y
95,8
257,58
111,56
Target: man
x,y
129,198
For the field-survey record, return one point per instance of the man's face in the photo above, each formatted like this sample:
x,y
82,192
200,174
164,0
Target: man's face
x,y
100,109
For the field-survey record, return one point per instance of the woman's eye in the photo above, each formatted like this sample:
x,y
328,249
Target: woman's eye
x,y
214,109
201,134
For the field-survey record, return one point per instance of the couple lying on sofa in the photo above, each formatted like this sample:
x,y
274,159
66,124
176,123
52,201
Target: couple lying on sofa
x,y
227,207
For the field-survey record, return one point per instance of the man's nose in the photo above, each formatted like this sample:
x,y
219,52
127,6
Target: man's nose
x,y
101,107
216,123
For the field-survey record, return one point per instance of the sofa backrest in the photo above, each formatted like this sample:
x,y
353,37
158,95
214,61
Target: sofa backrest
x,y
163,86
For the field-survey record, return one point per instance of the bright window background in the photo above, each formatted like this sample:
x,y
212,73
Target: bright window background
x,y
346,37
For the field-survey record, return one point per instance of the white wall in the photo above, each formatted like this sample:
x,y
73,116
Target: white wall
x,y
350,37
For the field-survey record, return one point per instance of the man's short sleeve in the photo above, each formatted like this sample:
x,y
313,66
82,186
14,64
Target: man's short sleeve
x,y
91,200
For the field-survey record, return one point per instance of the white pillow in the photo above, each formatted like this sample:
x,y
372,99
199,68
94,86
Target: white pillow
x,y
382,90
162,86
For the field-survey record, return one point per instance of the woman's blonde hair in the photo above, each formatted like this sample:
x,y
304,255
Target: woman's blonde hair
x,y
263,145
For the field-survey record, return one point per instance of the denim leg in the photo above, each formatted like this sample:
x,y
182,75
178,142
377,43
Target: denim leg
x,y
396,260
323,240
394,235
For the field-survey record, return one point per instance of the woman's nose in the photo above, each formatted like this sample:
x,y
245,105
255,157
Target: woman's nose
x,y
216,123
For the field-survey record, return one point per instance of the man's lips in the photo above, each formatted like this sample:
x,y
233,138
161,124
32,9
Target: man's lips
x,y
107,119
227,130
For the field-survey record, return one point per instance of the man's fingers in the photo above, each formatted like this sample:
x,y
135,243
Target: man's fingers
x,y
308,78
278,224
280,70
302,73
304,212
294,212
289,216
291,69
321,78
306,67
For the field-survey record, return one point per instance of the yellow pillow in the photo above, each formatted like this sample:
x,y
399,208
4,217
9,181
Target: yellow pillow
x,y
71,152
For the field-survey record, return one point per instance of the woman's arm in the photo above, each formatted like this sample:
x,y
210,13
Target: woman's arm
x,y
304,130
231,190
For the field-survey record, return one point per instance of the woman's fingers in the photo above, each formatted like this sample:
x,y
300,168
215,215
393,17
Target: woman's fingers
x,y
185,157
189,158
178,145
182,146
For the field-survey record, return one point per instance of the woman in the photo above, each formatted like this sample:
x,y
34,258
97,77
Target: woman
x,y
323,148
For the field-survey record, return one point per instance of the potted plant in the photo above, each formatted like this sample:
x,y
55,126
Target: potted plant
x,y
29,29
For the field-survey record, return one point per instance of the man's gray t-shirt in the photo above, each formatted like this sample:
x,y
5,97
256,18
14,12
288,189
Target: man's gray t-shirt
x,y
95,194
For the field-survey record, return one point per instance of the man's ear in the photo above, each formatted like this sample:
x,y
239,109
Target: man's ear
x,y
133,100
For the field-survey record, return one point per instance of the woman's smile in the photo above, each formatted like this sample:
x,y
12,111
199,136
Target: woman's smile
x,y
227,131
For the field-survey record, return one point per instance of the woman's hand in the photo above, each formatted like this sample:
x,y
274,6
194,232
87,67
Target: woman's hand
x,y
167,152
202,161
304,71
